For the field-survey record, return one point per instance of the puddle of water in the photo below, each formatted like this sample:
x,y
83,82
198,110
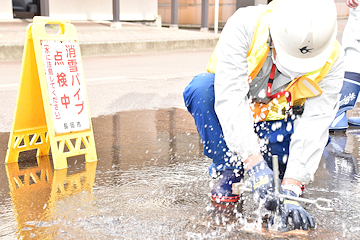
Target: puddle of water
x,y
151,181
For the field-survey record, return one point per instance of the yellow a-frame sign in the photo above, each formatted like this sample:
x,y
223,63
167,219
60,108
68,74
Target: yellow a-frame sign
x,y
52,107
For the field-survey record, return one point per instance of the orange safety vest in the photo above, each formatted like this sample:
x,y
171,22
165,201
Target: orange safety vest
x,y
297,91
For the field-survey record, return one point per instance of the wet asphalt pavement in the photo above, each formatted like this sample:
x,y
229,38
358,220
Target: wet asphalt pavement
x,y
151,182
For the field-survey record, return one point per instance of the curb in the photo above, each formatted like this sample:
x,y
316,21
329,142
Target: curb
x,y
11,51
15,51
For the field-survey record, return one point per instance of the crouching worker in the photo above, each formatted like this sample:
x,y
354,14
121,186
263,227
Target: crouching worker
x,y
279,70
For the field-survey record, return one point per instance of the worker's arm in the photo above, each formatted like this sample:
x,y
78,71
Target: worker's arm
x,y
231,84
232,103
311,129
311,133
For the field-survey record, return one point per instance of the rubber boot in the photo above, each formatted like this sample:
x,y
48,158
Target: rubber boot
x,y
340,122
349,94
222,189
355,121
340,163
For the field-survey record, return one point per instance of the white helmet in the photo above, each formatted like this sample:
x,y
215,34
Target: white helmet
x,y
303,33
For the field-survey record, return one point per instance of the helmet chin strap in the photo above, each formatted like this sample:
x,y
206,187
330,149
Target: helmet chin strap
x,y
287,72
275,58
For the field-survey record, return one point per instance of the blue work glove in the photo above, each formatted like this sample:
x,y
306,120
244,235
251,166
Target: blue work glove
x,y
299,216
262,182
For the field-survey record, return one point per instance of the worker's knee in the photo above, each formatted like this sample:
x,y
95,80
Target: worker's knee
x,y
200,91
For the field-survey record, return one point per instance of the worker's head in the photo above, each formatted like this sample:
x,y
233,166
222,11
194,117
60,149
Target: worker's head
x,y
303,33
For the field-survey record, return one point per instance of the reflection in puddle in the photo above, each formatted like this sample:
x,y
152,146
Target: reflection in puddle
x,y
38,192
151,181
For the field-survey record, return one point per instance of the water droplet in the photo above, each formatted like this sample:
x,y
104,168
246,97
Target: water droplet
x,y
288,127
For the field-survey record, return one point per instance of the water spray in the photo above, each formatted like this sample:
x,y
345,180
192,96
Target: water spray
x,y
239,188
